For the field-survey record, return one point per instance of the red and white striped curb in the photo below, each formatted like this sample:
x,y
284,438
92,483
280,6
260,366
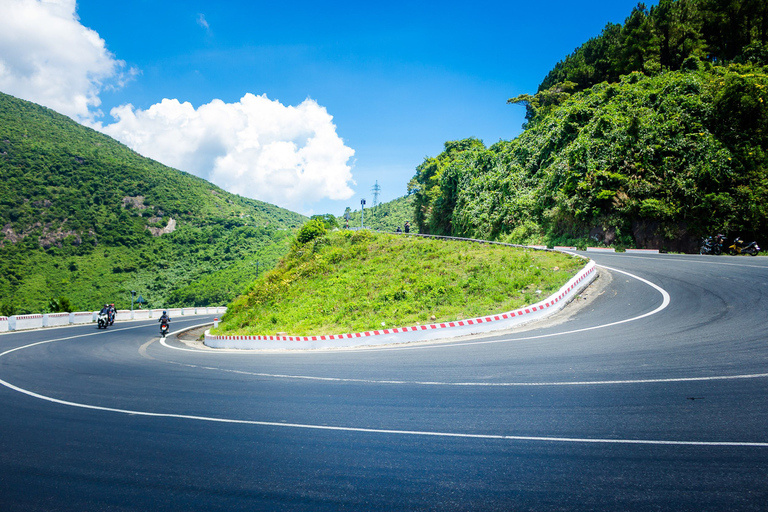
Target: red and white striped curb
x,y
576,283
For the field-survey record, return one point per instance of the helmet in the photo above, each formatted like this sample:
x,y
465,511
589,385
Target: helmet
x,y
165,313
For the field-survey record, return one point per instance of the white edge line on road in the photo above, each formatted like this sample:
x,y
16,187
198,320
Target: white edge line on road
x,y
695,259
388,431
385,431
482,384
665,302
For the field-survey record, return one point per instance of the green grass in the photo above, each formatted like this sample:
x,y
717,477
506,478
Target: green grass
x,y
361,281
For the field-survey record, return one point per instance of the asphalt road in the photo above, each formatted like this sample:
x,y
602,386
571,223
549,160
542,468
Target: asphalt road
x,y
641,398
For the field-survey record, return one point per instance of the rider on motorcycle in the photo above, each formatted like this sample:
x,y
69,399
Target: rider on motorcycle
x,y
164,318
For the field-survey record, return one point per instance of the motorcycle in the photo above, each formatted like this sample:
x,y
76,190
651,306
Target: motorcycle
x,y
738,247
712,245
102,321
164,329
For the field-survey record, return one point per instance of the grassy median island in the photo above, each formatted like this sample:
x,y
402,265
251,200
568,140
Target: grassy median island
x,y
341,282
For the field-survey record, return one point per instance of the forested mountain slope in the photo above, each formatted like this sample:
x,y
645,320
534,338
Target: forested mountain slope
x,y
664,37
86,220
656,159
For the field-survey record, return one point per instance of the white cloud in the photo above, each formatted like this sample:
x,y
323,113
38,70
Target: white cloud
x,y
202,21
48,57
257,147
287,155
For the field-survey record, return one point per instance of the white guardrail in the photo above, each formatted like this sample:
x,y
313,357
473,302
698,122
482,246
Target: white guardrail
x,y
23,322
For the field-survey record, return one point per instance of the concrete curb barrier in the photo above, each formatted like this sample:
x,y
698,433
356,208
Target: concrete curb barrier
x,y
122,314
81,317
142,314
601,249
24,322
55,319
643,251
484,324
18,322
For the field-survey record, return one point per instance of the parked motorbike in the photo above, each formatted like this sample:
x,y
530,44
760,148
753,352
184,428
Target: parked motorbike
x,y
739,247
164,329
712,245
102,321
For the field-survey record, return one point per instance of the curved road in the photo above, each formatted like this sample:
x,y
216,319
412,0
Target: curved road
x,y
650,395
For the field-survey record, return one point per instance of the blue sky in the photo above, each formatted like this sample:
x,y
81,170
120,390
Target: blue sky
x,y
397,78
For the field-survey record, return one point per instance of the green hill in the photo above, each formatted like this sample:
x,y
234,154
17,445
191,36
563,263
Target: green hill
x,y
353,281
646,151
84,218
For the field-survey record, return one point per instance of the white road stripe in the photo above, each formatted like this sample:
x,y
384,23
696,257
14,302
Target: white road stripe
x,y
703,261
665,302
479,384
389,431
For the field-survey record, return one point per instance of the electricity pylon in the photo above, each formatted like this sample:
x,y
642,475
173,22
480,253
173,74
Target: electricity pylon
x,y
376,190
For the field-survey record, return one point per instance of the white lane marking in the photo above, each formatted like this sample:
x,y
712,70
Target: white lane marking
x,y
387,431
695,259
115,329
479,384
502,437
665,302
448,344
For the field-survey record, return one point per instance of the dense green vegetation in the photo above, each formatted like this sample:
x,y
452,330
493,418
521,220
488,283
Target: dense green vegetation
x,y
353,281
385,216
667,37
652,135
78,211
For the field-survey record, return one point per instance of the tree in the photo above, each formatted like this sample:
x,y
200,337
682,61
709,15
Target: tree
x,y
328,219
59,305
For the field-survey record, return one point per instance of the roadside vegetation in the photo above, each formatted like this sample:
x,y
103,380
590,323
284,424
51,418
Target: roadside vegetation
x,y
651,135
345,281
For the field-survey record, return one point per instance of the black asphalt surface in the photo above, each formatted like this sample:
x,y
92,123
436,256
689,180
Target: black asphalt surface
x,y
665,412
